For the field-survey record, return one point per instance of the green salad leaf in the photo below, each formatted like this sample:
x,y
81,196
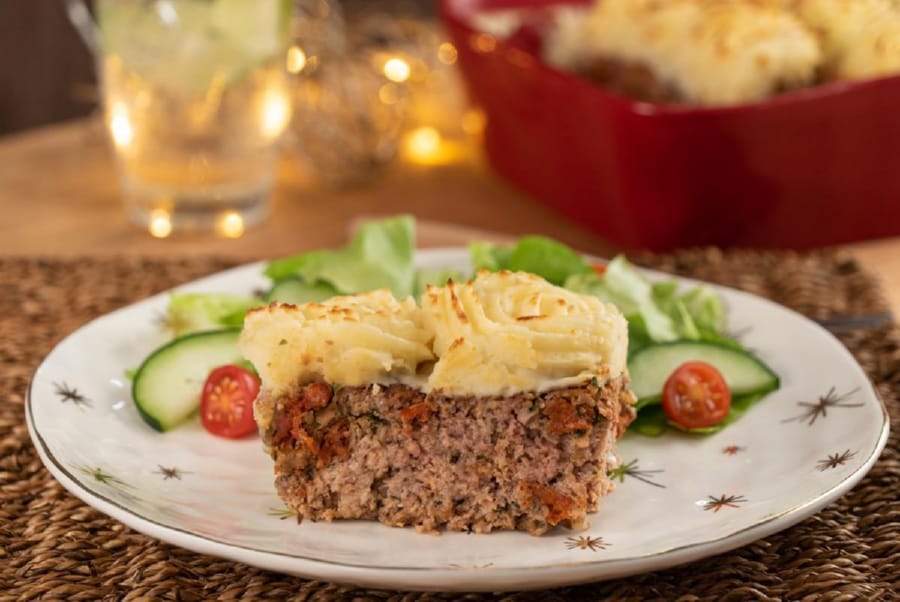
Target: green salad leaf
x,y
549,259
652,422
706,309
193,312
488,256
626,288
380,255
295,290
656,312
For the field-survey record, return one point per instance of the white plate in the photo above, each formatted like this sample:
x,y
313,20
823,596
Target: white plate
x,y
683,498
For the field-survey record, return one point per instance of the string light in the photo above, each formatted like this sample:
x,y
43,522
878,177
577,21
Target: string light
x,y
276,113
409,83
483,43
389,93
423,142
397,70
231,225
160,225
447,53
425,146
296,60
473,122
120,126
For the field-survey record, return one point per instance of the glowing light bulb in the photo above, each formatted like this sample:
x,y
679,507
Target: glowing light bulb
x,y
276,113
160,225
423,144
231,225
483,43
167,12
296,60
388,93
397,70
447,53
473,122
120,126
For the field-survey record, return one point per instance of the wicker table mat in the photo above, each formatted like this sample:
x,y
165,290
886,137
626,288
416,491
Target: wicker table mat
x,y
52,546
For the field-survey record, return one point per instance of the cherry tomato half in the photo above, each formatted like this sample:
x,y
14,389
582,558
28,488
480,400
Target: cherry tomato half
x,y
226,404
696,395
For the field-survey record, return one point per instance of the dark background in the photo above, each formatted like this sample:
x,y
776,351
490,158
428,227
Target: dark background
x,y
47,74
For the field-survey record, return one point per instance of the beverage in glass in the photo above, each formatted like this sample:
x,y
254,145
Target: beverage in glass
x,y
195,99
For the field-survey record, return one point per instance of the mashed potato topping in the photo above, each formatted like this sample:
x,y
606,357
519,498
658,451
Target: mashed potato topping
x,y
844,26
877,54
507,332
719,52
859,37
499,334
350,341
715,52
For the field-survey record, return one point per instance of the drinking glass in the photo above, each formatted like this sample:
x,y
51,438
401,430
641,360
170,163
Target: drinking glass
x,y
195,99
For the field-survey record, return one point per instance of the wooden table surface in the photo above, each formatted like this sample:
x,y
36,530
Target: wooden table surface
x,y
59,197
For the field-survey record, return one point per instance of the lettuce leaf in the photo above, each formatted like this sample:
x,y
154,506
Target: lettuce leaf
x,y
656,312
706,308
549,259
652,422
698,314
626,288
296,291
380,255
193,312
488,256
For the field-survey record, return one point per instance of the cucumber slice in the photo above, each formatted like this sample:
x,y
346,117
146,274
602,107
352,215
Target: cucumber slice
x,y
167,386
296,291
651,366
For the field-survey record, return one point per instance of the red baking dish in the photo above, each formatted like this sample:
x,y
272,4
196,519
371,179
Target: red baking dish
x,y
808,168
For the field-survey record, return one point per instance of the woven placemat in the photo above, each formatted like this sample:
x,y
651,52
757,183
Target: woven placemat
x,y
53,546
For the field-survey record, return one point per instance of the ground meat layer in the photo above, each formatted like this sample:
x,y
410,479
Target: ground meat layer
x,y
631,80
394,454
637,81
